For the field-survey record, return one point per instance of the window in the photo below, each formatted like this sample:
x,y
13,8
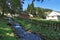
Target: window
x,y
52,16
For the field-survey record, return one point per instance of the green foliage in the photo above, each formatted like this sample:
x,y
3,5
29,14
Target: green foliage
x,y
16,6
46,10
31,9
40,12
3,6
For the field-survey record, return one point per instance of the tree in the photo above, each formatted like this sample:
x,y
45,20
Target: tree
x,y
16,5
3,6
31,9
35,11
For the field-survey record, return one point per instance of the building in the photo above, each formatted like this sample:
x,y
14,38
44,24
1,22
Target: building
x,y
53,16
25,15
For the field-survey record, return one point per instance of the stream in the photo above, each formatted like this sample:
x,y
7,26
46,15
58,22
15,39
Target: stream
x,y
25,35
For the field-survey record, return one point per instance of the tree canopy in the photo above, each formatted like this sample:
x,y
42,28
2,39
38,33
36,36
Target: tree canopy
x,y
15,6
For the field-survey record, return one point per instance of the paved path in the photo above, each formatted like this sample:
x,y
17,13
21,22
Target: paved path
x,y
22,32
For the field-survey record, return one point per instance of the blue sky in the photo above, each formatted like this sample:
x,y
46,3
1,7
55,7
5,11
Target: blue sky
x,y
49,4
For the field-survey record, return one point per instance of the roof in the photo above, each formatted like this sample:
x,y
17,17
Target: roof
x,y
54,13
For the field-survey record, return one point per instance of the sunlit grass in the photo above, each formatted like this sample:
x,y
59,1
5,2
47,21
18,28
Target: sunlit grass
x,y
4,28
10,34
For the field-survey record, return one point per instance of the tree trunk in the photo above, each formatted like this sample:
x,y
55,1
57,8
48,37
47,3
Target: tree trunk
x,y
3,12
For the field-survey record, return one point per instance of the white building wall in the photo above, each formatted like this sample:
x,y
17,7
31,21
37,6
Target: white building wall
x,y
52,18
58,17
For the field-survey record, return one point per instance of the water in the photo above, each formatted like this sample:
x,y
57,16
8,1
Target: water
x,y
22,32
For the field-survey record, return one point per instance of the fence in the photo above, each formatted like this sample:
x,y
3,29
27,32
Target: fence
x,y
46,24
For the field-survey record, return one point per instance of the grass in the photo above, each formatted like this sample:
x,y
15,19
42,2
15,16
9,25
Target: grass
x,y
6,32
50,33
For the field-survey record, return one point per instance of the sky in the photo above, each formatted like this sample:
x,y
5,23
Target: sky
x,y
49,4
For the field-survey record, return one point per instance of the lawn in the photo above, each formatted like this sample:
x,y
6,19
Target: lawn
x,y
6,32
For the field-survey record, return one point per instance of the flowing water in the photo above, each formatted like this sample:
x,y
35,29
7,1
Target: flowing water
x,y
22,32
